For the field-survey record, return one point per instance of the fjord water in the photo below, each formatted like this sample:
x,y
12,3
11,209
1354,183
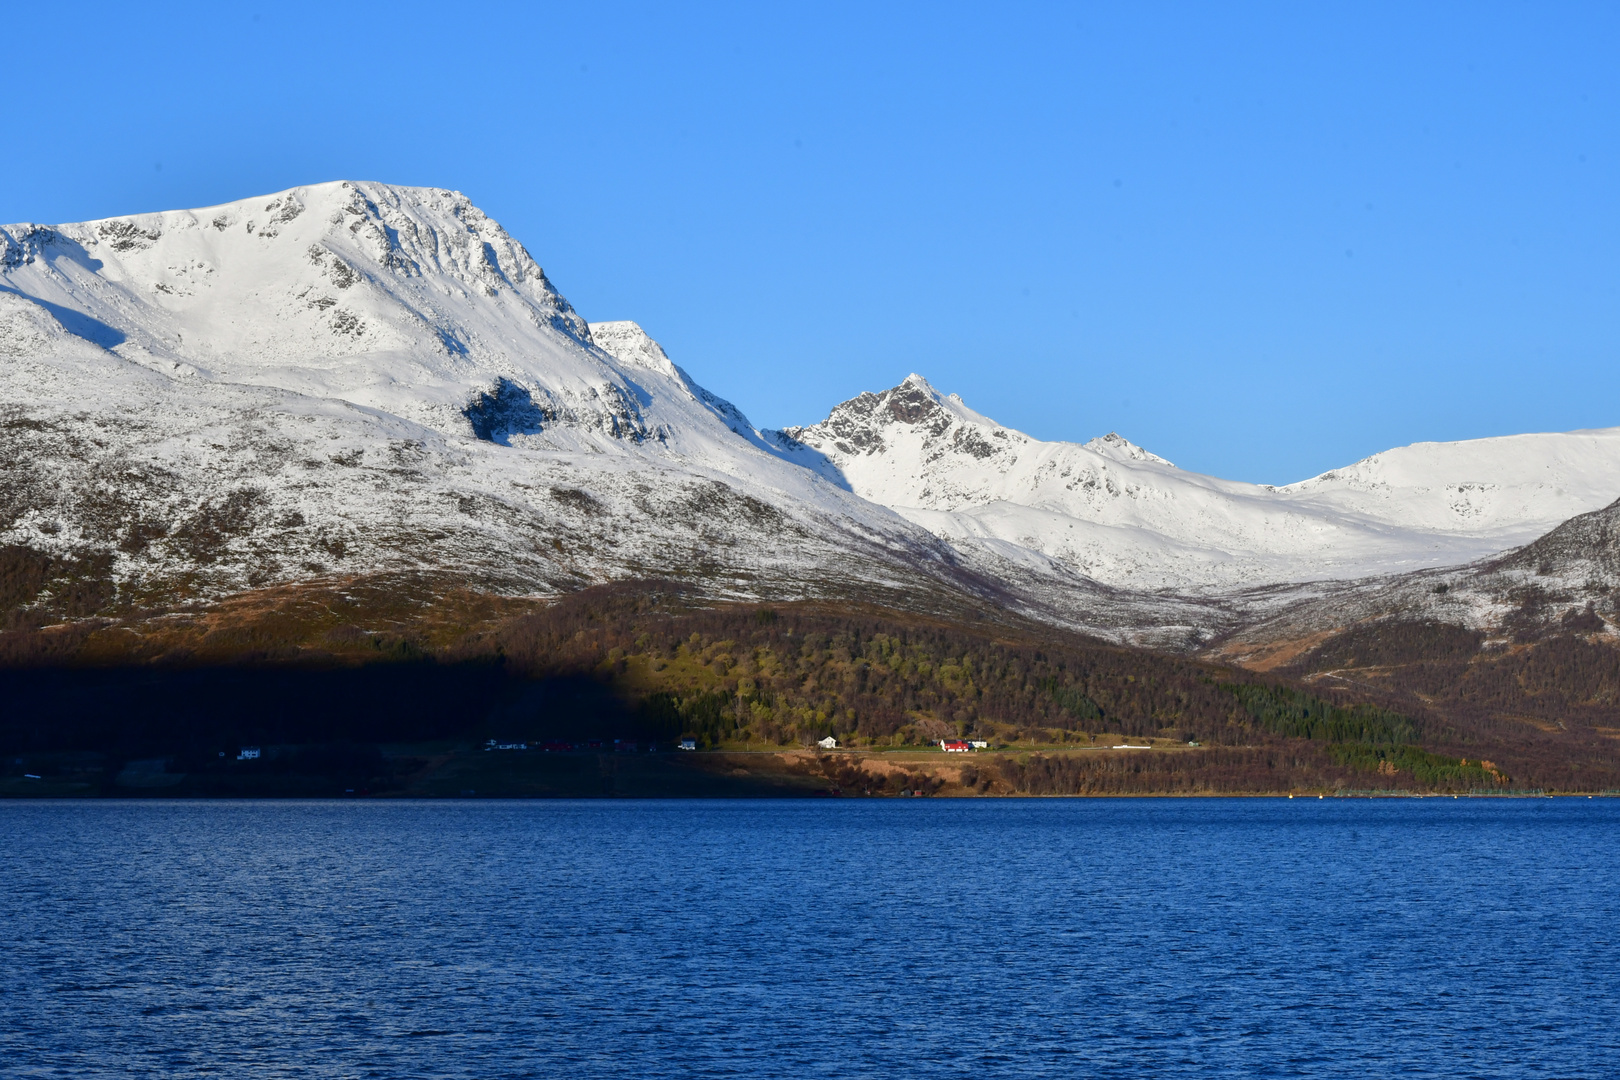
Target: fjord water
x,y
805,939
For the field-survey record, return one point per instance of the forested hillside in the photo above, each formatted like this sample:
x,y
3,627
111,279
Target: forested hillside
x,y
327,673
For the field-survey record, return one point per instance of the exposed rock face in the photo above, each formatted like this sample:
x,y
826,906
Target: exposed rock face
x,y
1583,551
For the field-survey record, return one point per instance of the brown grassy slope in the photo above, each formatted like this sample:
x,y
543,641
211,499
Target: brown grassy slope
x,y
1549,702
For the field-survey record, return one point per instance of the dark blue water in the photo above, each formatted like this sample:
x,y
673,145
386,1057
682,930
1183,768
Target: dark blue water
x,y
838,939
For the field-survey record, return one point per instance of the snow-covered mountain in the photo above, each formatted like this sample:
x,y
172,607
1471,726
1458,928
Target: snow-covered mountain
x,y
1114,512
403,300
352,378
359,380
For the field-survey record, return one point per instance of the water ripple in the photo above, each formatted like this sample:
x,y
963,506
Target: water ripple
x,y
851,939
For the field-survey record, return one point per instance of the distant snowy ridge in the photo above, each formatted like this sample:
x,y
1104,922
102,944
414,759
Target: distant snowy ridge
x,y
1121,515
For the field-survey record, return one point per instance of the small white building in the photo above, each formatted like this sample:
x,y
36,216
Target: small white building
x,y
688,744
829,743
979,744
247,753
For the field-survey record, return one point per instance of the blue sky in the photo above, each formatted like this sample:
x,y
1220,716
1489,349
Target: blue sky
x,y
1262,240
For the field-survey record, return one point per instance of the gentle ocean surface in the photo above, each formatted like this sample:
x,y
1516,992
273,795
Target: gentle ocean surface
x,y
888,938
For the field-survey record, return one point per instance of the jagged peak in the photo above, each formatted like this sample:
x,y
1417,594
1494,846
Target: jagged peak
x,y
912,401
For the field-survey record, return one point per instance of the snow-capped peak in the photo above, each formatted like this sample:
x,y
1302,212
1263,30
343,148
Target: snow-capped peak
x,y
408,300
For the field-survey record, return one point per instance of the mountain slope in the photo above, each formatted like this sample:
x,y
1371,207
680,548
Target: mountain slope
x,y
1564,582
1121,515
1519,652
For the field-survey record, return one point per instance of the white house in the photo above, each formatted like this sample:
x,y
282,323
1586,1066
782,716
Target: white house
x,y
688,744
829,743
247,753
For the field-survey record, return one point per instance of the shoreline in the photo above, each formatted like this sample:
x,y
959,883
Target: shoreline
x,y
413,772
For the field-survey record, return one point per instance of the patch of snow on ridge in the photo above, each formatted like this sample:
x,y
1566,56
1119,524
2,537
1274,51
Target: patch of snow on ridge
x,y
628,342
1119,514
1119,448
1515,484
26,328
